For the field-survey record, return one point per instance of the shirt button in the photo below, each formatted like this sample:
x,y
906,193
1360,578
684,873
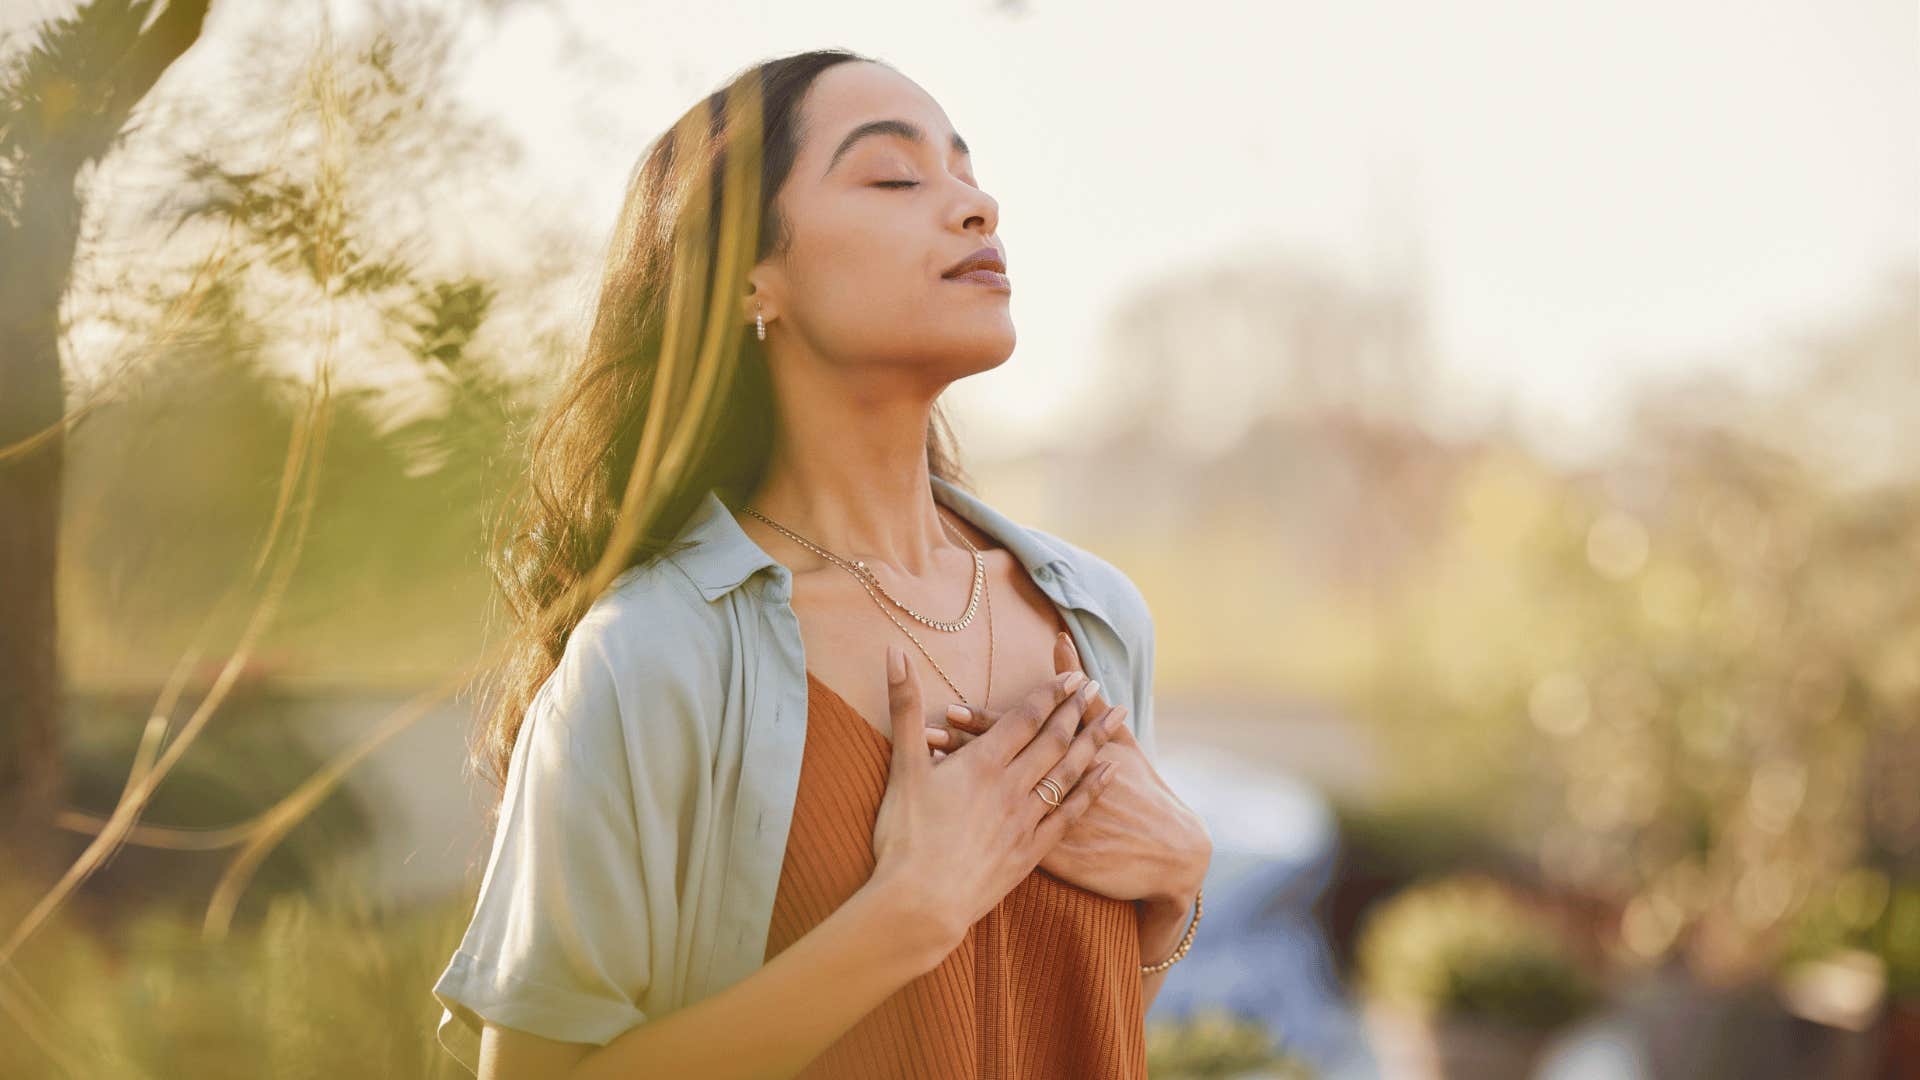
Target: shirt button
x,y
1044,574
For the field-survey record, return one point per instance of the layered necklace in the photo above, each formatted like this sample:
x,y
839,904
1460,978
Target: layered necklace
x,y
870,583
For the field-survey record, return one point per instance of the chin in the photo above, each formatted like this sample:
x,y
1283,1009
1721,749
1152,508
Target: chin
x,y
959,346
984,353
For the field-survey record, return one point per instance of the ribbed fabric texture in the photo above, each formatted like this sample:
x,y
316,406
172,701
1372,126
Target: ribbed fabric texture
x,y
1046,985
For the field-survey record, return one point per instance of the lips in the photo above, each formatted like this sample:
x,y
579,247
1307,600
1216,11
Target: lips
x,y
987,258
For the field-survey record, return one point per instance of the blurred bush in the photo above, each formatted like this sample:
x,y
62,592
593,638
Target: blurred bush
x,y
325,985
1217,1045
1685,680
1865,911
249,758
1465,947
1459,979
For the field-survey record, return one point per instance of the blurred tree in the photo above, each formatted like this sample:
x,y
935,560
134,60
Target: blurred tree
x,y
1688,680
341,328
1201,355
64,103
300,290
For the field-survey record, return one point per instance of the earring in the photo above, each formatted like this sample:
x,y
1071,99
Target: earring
x,y
759,325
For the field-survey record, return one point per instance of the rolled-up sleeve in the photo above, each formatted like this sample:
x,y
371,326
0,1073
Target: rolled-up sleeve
x,y
559,943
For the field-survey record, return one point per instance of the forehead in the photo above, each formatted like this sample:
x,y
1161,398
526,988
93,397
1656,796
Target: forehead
x,y
849,94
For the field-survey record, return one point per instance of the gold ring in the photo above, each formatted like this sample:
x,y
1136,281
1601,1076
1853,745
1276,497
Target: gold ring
x,y
1058,794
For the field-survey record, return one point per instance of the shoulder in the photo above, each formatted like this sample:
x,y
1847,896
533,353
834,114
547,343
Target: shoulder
x,y
650,609
1107,584
648,637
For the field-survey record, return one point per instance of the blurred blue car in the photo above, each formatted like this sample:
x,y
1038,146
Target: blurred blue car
x,y
1260,952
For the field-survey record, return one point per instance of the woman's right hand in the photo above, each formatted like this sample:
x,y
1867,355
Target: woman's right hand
x,y
956,835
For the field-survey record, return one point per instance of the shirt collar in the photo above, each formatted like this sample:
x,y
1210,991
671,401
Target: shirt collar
x,y
720,556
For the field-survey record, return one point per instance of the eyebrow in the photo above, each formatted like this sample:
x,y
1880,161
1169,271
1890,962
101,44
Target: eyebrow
x,y
901,128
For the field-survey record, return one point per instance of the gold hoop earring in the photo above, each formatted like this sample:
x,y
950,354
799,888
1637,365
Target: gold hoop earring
x,y
759,325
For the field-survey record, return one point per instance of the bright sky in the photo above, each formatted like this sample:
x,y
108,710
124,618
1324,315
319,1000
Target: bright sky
x,y
1591,193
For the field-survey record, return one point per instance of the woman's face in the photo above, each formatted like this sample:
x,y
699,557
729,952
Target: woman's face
x,y
875,220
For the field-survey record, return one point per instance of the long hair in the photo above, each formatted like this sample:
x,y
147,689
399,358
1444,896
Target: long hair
x,y
670,399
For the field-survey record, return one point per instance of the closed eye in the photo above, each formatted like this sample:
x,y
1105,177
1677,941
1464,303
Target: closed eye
x,y
897,183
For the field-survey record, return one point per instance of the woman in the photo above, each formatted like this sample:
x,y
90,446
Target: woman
x,y
740,834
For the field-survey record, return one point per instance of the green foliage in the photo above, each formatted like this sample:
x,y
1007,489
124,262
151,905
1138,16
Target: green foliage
x,y
1464,946
1217,1045
174,488
57,90
1686,680
1409,838
323,987
249,758
1864,910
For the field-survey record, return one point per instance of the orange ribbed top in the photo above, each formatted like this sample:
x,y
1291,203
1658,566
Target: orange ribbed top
x,y
1046,985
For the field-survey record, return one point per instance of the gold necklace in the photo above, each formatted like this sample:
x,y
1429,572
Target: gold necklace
x,y
868,582
858,568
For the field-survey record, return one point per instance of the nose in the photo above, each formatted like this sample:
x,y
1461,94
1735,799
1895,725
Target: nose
x,y
976,206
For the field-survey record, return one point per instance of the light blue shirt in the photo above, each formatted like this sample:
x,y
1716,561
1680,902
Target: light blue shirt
x,y
644,819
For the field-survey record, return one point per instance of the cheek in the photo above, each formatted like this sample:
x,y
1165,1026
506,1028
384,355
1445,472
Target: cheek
x,y
866,286
861,276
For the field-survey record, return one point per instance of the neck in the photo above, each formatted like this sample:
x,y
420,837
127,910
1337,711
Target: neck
x,y
851,476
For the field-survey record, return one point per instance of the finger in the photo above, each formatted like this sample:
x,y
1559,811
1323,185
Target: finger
x,y
903,703
1097,707
1080,756
1044,751
972,719
1093,783
1017,726
1065,656
948,739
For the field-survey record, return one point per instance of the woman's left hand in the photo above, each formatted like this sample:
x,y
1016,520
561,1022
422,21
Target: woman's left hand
x,y
1138,841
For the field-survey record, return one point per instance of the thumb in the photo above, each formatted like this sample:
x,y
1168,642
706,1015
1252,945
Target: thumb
x,y
908,723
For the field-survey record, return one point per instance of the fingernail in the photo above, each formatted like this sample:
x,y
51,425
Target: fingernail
x,y
1106,774
1072,681
896,664
936,736
958,713
1091,688
1115,716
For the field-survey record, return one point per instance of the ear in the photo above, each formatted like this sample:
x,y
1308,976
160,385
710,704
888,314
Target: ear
x,y
759,297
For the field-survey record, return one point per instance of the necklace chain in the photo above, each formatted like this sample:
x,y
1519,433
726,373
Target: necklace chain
x,y
865,576
859,569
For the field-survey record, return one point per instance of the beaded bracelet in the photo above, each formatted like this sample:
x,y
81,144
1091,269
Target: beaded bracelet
x,y
1186,940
